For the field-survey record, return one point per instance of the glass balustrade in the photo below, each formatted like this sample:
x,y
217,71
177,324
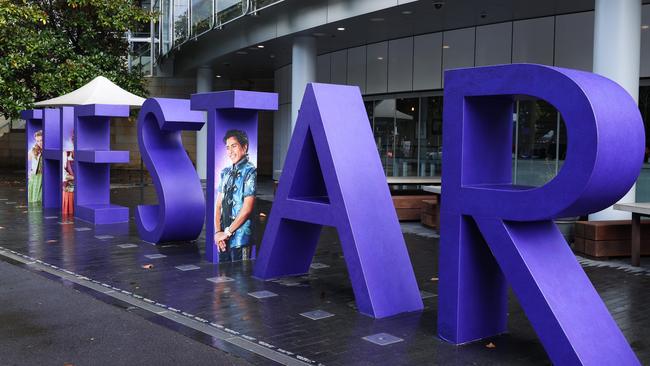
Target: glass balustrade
x,y
181,20
165,26
229,10
202,15
180,16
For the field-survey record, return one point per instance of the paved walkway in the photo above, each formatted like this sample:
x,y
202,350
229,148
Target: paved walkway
x,y
50,323
214,304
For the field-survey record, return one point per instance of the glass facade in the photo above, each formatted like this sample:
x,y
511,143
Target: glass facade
x,y
408,134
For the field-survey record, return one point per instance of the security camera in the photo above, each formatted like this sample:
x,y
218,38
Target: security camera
x,y
438,4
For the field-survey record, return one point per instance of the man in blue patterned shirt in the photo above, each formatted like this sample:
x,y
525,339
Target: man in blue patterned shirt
x,y
235,201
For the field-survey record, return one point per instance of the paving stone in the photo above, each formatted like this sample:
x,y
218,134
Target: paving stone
x,y
262,294
127,246
382,339
187,267
220,279
317,314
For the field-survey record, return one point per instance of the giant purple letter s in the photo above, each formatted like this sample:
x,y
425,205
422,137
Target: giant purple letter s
x,y
493,231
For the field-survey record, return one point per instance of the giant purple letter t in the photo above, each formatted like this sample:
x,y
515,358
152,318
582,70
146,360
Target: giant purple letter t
x,y
493,231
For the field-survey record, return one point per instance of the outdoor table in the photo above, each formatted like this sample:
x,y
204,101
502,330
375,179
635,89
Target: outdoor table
x,y
413,180
637,209
433,189
437,191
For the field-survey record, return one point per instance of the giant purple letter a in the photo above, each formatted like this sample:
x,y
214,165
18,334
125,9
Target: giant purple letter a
x,y
332,176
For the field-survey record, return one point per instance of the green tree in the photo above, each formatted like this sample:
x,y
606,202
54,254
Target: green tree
x,y
51,47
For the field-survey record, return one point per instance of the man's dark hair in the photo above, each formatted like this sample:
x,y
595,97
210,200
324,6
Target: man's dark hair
x,y
239,135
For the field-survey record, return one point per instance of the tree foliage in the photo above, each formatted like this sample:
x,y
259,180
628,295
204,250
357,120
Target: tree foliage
x,y
51,47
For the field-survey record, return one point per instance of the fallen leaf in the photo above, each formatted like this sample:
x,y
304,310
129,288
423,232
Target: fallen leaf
x,y
490,345
147,266
434,279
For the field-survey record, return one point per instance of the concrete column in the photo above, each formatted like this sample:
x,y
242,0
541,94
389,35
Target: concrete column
x,y
204,78
617,47
290,82
303,71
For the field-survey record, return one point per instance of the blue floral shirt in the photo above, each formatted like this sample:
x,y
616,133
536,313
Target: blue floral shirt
x,y
237,182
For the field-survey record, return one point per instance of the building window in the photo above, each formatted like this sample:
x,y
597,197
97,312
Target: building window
x,y
408,135
643,182
431,136
539,142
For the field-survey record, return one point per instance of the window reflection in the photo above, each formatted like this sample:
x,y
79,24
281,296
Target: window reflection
x,y
431,137
181,9
201,16
228,10
384,132
538,127
408,135
406,142
165,29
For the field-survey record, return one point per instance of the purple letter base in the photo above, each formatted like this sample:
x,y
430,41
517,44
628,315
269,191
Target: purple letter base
x,y
92,143
51,158
232,109
181,211
333,176
493,231
33,122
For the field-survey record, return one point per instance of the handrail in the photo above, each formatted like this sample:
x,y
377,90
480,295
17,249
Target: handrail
x,y
244,13
266,6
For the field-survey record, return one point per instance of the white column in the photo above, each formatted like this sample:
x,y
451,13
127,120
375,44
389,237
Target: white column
x,y
617,47
204,78
290,83
303,71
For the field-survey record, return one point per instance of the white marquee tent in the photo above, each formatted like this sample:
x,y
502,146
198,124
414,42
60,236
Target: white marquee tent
x,y
100,90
